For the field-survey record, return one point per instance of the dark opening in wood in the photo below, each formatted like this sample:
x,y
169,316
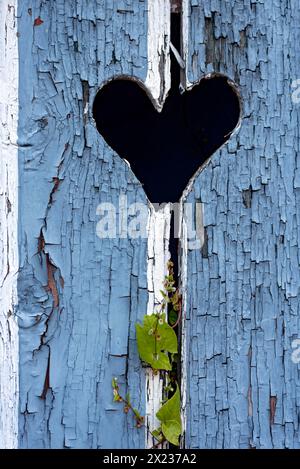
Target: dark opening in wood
x,y
166,149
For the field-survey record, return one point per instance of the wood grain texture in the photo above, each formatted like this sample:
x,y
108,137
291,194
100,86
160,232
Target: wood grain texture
x,y
9,355
242,298
79,296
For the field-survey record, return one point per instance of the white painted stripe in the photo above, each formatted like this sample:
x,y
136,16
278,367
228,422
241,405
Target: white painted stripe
x,y
183,289
158,80
158,256
185,39
9,262
158,83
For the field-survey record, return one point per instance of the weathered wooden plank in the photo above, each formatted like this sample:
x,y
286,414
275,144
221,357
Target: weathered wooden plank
x,y
79,296
159,226
9,356
242,303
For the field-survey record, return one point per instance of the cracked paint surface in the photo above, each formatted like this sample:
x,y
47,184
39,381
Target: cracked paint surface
x,y
79,296
242,298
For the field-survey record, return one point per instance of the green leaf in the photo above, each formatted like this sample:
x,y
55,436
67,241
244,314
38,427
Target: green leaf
x,y
127,398
117,397
169,416
114,383
165,296
155,338
137,414
172,317
175,300
172,431
157,434
167,337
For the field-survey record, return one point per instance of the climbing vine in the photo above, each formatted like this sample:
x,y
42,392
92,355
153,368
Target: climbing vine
x,y
158,348
127,403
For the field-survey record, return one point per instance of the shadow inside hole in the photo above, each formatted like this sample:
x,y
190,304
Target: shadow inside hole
x,y
166,149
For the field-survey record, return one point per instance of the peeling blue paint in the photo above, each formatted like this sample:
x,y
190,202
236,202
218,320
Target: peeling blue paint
x,y
79,296
243,300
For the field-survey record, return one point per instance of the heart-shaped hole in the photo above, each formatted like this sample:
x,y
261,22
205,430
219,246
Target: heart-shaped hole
x,y
165,149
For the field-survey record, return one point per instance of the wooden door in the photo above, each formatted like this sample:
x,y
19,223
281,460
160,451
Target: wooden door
x,y
70,299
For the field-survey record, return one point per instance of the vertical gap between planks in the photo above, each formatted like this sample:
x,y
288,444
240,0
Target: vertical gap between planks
x,y
158,255
158,82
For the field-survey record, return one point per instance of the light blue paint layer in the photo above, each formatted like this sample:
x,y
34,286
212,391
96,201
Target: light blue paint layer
x,y
88,337
243,300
